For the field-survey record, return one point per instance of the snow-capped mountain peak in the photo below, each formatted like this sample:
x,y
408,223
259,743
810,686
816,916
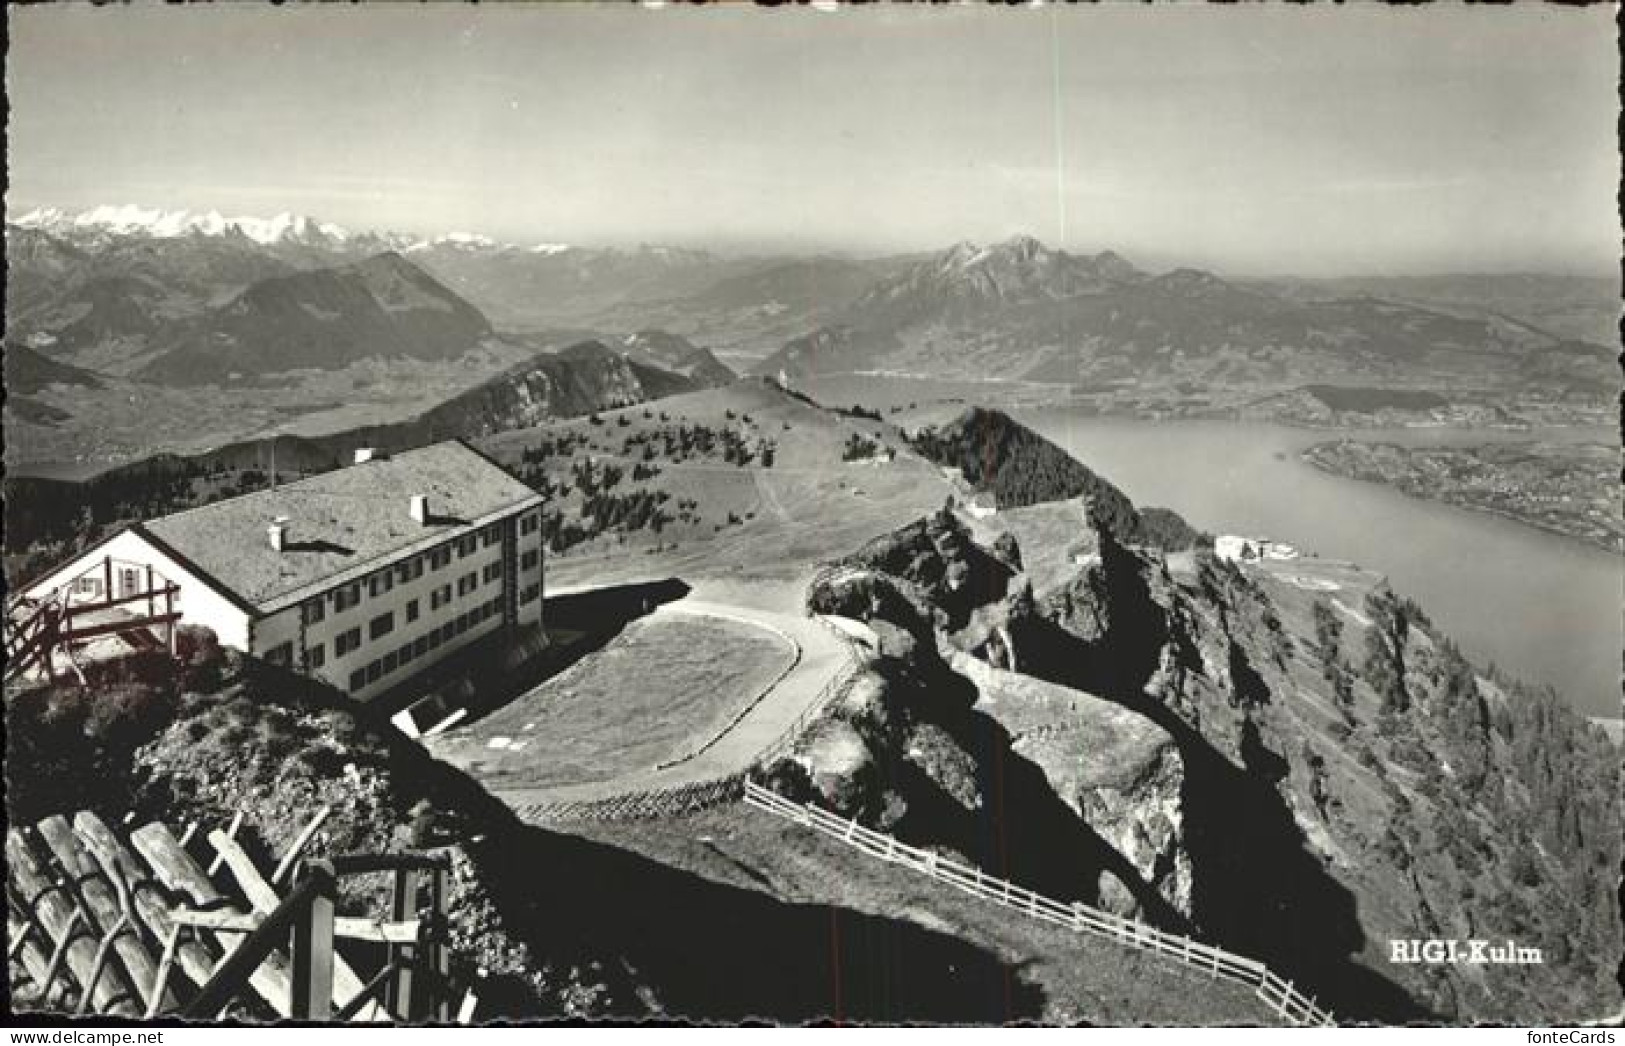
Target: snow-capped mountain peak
x,y
133,220
98,225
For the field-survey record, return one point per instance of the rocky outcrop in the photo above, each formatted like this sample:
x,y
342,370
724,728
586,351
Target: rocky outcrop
x,y
1120,773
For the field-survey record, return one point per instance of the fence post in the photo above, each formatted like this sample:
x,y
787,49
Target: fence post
x,y
313,949
440,949
403,906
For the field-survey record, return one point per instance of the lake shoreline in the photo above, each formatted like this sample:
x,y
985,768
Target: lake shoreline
x,y
1541,605
1612,548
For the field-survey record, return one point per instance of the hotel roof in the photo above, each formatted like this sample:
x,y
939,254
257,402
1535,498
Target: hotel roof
x,y
340,525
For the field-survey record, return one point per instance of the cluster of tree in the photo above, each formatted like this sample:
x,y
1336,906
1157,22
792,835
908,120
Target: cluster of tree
x,y
995,453
1520,824
858,411
1328,640
859,447
627,512
685,441
561,445
1385,647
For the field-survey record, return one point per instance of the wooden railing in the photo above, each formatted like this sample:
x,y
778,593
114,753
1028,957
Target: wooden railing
x,y
837,685
1279,994
93,928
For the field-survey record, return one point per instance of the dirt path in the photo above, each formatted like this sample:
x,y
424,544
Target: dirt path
x,y
821,657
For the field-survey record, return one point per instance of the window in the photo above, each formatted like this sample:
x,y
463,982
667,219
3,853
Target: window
x,y
374,670
391,661
404,654
420,646
318,656
529,560
467,583
89,586
358,679
529,522
129,581
410,570
346,597
466,546
490,535
440,557
380,583
493,571
315,610
281,654
412,610
529,594
440,597
346,642
382,625
434,639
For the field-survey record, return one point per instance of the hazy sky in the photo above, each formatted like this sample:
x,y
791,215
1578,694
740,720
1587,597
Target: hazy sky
x,y
1258,139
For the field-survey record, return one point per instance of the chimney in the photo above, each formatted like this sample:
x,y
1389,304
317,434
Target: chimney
x,y
278,533
420,509
366,454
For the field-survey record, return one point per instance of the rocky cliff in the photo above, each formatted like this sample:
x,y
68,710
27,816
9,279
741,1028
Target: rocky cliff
x,y
1298,768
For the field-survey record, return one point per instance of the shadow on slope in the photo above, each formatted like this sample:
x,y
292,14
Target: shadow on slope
x,y
1023,830
714,952
1258,890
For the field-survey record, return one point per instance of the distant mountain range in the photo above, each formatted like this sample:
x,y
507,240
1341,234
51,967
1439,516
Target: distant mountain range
x,y
1018,309
187,297
382,306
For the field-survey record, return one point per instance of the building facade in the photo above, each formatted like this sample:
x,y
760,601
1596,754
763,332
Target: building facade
x,y
363,577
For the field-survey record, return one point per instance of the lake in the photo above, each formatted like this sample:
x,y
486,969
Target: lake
x,y
1543,607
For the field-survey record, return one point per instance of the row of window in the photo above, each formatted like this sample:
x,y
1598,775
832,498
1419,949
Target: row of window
x,y
406,653
379,583
384,624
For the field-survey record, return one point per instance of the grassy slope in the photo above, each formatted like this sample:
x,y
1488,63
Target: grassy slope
x,y
807,507
1050,975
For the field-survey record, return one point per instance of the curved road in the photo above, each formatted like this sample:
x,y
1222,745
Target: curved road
x,y
821,657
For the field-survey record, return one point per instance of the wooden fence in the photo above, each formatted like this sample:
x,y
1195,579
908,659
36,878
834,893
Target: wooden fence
x,y
93,928
1279,994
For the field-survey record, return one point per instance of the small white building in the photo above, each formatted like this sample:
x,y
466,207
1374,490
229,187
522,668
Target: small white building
x,y
363,576
1239,549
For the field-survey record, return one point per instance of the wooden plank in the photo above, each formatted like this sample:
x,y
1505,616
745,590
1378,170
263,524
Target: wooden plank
x,y
178,872
285,865
56,911
231,833
104,905
264,899
378,931
26,944
196,959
